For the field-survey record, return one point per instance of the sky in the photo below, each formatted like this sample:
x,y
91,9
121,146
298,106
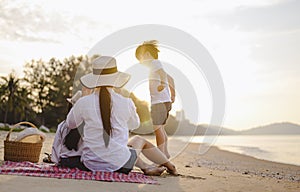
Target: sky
x,y
255,45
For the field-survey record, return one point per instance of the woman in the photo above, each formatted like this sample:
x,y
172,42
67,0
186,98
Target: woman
x,y
108,116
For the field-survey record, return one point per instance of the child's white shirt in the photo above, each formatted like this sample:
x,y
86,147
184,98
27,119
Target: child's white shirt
x,y
155,81
59,150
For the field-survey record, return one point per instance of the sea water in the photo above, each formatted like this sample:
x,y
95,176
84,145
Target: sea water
x,y
277,148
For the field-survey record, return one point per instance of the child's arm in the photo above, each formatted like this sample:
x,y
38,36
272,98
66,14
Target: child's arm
x,y
172,87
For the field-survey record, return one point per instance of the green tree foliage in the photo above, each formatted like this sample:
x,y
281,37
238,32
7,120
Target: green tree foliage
x,y
40,97
15,105
142,108
50,83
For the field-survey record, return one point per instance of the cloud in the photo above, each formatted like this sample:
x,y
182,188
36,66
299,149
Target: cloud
x,y
279,52
271,32
24,21
282,16
5,67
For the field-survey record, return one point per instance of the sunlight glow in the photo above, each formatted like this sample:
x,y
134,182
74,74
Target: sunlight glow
x,y
258,91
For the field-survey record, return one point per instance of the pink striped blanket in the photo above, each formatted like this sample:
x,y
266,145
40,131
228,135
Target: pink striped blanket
x,y
51,171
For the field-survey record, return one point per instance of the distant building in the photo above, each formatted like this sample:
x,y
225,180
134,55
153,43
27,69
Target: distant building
x,y
179,115
184,127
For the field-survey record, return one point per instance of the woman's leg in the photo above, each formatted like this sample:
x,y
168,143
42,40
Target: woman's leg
x,y
151,152
161,139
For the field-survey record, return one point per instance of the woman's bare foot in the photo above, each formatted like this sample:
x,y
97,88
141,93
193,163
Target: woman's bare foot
x,y
154,171
171,168
173,171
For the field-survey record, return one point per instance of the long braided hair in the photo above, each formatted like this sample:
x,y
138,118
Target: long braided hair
x,y
105,109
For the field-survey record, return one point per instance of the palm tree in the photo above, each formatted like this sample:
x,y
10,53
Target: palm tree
x,y
14,99
24,105
9,88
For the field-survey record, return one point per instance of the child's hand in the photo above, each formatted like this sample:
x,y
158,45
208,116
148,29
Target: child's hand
x,y
173,99
160,88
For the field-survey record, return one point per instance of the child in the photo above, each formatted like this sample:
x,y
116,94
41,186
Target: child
x,y
67,143
162,91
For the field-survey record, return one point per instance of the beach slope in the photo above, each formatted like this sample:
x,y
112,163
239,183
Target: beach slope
x,y
216,170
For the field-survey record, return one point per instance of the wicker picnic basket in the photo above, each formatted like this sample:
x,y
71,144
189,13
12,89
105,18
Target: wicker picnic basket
x,y
21,151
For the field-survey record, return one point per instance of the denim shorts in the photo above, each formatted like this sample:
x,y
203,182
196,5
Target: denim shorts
x,y
128,166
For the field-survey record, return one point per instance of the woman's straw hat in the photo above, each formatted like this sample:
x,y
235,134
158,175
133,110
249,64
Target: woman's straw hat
x,y
105,73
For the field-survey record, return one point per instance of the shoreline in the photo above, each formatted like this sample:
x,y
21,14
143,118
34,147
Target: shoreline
x,y
216,170
246,165
279,153
223,160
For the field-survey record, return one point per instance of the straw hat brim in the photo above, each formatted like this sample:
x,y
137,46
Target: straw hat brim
x,y
118,79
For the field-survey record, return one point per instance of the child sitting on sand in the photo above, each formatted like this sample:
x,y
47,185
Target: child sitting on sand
x,y
67,143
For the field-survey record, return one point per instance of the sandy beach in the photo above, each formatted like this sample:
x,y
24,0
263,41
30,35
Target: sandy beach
x,y
216,170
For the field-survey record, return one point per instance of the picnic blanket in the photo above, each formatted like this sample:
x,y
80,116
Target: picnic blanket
x,y
52,171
